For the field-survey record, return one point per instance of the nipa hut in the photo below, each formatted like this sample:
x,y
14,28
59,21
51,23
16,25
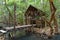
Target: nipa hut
x,y
34,16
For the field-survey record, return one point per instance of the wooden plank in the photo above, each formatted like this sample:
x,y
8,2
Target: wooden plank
x,y
3,31
23,26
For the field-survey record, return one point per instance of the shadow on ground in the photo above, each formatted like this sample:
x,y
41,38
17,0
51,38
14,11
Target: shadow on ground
x,y
35,37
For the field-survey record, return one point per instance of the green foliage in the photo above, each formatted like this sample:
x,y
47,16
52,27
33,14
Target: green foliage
x,y
22,6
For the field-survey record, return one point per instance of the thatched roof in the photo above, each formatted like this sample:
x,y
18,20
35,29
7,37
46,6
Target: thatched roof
x,y
34,9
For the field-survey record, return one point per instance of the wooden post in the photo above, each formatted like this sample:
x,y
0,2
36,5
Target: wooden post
x,y
14,15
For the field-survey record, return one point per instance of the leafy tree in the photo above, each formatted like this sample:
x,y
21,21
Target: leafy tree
x,y
21,7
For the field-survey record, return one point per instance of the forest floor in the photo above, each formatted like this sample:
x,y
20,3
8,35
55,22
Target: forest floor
x,y
38,37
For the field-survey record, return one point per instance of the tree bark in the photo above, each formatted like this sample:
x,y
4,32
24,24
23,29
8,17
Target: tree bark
x,y
53,18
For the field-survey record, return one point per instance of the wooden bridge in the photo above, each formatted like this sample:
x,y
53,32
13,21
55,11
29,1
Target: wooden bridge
x,y
6,30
